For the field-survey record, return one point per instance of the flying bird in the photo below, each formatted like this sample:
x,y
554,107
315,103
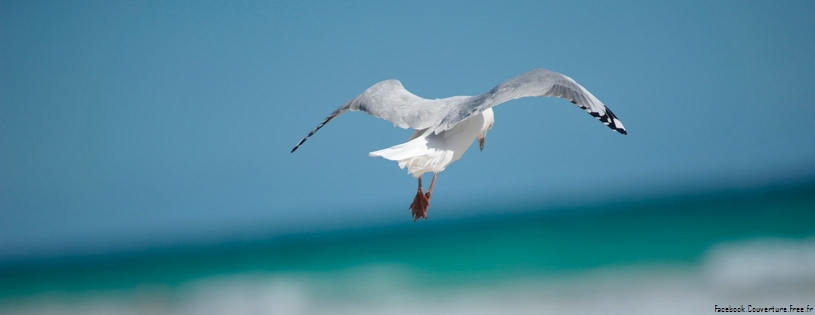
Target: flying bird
x,y
445,128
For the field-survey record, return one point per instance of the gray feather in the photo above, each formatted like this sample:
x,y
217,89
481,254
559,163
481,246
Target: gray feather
x,y
390,100
538,82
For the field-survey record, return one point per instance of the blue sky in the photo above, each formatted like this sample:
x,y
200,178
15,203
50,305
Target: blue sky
x,y
125,123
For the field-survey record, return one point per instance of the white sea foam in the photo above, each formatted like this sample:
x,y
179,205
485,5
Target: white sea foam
x,y
762,263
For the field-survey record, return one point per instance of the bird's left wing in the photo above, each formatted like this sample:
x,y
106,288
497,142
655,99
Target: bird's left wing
x,y
538,82
390,100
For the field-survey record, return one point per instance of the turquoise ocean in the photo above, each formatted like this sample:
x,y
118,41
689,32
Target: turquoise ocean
x,y
675,255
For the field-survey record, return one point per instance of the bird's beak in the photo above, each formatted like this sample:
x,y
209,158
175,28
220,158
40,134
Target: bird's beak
x,y
481,143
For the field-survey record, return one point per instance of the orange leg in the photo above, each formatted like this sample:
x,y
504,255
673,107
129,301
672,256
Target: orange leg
x,y
420,203
432,184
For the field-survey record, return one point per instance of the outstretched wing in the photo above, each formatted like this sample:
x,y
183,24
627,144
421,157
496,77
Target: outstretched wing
x,y
538,82
390,100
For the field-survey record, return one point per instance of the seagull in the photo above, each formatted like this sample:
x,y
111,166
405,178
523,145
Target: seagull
x,y
445,128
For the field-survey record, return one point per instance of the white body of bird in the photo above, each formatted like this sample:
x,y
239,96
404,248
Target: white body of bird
x,y
428,152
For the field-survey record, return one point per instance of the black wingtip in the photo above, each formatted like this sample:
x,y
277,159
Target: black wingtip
x,y
611,121
300,143
325,121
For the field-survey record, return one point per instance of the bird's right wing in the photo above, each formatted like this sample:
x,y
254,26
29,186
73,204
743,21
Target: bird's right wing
x,y
538,82
390,101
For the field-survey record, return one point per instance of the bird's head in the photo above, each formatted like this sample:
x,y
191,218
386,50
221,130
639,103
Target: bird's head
x,y
489,119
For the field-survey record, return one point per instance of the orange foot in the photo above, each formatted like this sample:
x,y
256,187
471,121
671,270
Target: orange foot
x,y
419,206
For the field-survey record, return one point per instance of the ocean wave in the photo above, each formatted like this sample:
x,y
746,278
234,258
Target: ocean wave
x,y
762,263
760,272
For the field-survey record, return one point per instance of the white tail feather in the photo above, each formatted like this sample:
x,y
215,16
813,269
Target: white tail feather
x,y
416,156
